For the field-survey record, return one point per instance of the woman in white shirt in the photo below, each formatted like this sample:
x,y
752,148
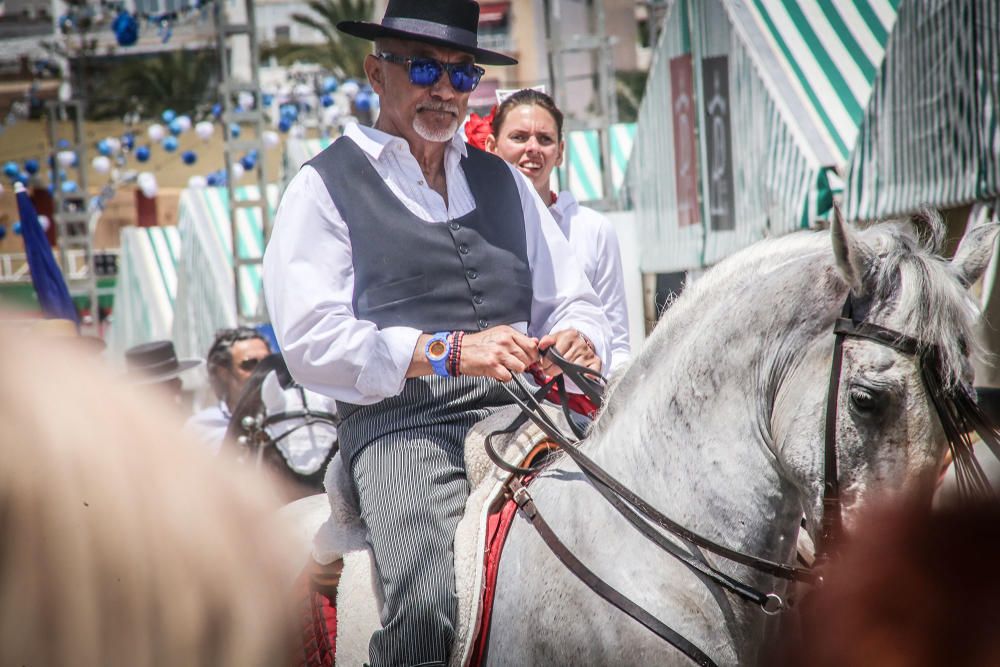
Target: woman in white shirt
x,y
526,130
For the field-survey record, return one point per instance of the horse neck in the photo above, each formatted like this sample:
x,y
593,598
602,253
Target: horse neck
x,y
688,426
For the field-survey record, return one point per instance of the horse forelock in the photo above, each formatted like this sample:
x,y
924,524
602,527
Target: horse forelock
x,y
913,285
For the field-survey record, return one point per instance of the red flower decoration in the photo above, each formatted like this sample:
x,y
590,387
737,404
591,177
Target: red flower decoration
x,y
477,128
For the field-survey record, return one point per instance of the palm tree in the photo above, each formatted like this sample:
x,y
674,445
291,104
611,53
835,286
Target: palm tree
x,y
179,80
341,54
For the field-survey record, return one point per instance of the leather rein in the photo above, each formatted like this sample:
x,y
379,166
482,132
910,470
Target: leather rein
x,y
647,519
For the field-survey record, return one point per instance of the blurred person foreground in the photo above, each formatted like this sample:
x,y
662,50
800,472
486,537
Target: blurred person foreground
x,y
914,587
120,542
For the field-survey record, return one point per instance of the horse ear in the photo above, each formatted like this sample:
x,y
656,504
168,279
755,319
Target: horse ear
x,y
974,253
853,257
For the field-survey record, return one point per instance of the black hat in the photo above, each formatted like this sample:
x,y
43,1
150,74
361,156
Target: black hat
x,y
450,23
156,362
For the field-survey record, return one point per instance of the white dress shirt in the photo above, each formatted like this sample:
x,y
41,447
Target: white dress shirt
x,y
210,425
309,275
595,245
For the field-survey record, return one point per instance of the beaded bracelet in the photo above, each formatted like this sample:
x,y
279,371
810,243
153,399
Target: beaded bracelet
x,y
455,357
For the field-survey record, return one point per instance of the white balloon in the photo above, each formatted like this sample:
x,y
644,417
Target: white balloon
x,y
65,158
302,90
197,182
245,100
297,132
44,221
271,139
147,184
184,122
156,132
204,130
351,88
114,143
101,164
236,171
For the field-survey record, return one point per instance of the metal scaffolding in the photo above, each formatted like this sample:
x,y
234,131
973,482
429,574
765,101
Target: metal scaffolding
x,y
239,63
603,111
74,222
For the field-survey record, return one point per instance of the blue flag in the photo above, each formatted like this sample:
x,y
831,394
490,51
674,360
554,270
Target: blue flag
x,y
53,295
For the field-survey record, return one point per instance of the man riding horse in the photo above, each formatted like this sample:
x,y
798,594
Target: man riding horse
x,y
408,275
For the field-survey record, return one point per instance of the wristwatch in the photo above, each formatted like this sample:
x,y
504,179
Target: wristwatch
x,y
437,350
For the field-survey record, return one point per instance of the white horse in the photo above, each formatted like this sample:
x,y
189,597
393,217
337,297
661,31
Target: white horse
x,y
719,423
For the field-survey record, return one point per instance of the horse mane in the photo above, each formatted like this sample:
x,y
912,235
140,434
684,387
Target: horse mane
x,y
908,280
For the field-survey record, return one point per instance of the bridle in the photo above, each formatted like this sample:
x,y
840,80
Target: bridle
x,y
956,409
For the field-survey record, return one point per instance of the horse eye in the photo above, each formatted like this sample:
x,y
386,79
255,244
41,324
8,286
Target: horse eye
x,y
864,400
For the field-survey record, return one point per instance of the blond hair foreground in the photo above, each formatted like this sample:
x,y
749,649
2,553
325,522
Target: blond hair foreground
x,y
120,542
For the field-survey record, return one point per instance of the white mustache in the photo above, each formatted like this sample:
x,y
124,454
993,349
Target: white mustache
x,y
438,106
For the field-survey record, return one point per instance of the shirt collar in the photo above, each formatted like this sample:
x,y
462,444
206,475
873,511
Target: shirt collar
x,y
566,204
373,141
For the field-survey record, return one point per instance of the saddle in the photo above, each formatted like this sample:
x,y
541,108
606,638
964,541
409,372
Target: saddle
x,y
341,566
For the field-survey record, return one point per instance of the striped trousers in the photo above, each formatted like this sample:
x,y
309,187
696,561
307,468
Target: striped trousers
x,y
407,461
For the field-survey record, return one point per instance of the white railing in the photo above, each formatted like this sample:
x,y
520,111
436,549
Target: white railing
x,y
14,266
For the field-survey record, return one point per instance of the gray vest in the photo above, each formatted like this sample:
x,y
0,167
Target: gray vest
x,y
464,274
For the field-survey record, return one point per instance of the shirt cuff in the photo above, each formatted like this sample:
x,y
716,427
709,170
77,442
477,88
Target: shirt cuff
x,y
385,372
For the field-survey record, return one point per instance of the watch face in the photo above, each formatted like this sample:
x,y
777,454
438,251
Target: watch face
x,y
437,349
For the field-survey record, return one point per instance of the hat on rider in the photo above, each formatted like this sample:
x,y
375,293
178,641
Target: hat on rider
x,y
450,23
155,362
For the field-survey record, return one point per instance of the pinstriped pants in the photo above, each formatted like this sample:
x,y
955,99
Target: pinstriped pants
x,y
406,457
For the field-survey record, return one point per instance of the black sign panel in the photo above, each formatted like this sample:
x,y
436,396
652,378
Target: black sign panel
x,y
716,130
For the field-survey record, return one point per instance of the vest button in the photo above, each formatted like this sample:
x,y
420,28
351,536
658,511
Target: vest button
x,y
454,226
483,323
471,274
464,249
478,299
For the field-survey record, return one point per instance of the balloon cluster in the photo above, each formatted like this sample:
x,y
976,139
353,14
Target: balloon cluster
x,y
127,26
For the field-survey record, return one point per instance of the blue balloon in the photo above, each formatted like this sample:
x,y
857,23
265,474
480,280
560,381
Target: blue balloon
x,y
330,84
284,125
170,144
267,99
63,143
175,127
234,130
216,110
126,29
189,157
3,231
248,162
128,141
363,102
68,187
17,227
326,101
289,111
103,148
11,170
168,116
23,178
142,153
31,166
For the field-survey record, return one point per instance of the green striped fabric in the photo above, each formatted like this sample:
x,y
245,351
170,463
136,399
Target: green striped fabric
x,y
931,133
205,292
146,288
581,170
829,54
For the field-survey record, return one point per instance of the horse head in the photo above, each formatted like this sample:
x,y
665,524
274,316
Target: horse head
x,y
888,434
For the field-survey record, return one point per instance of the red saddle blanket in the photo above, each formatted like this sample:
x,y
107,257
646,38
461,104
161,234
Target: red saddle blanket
x,y
319,632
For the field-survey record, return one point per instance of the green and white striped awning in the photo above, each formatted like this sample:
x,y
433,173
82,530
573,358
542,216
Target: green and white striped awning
x,y
300,151
206,298
581,170
819,59
146,288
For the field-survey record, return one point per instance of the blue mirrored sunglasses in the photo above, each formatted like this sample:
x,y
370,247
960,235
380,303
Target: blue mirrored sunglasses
x,y
425,72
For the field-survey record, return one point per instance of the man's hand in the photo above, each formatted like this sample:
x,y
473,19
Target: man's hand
x,y
497,352
573,346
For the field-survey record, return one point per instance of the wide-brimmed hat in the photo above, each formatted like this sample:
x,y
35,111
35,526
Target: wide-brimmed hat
x,y
155,362
450,23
